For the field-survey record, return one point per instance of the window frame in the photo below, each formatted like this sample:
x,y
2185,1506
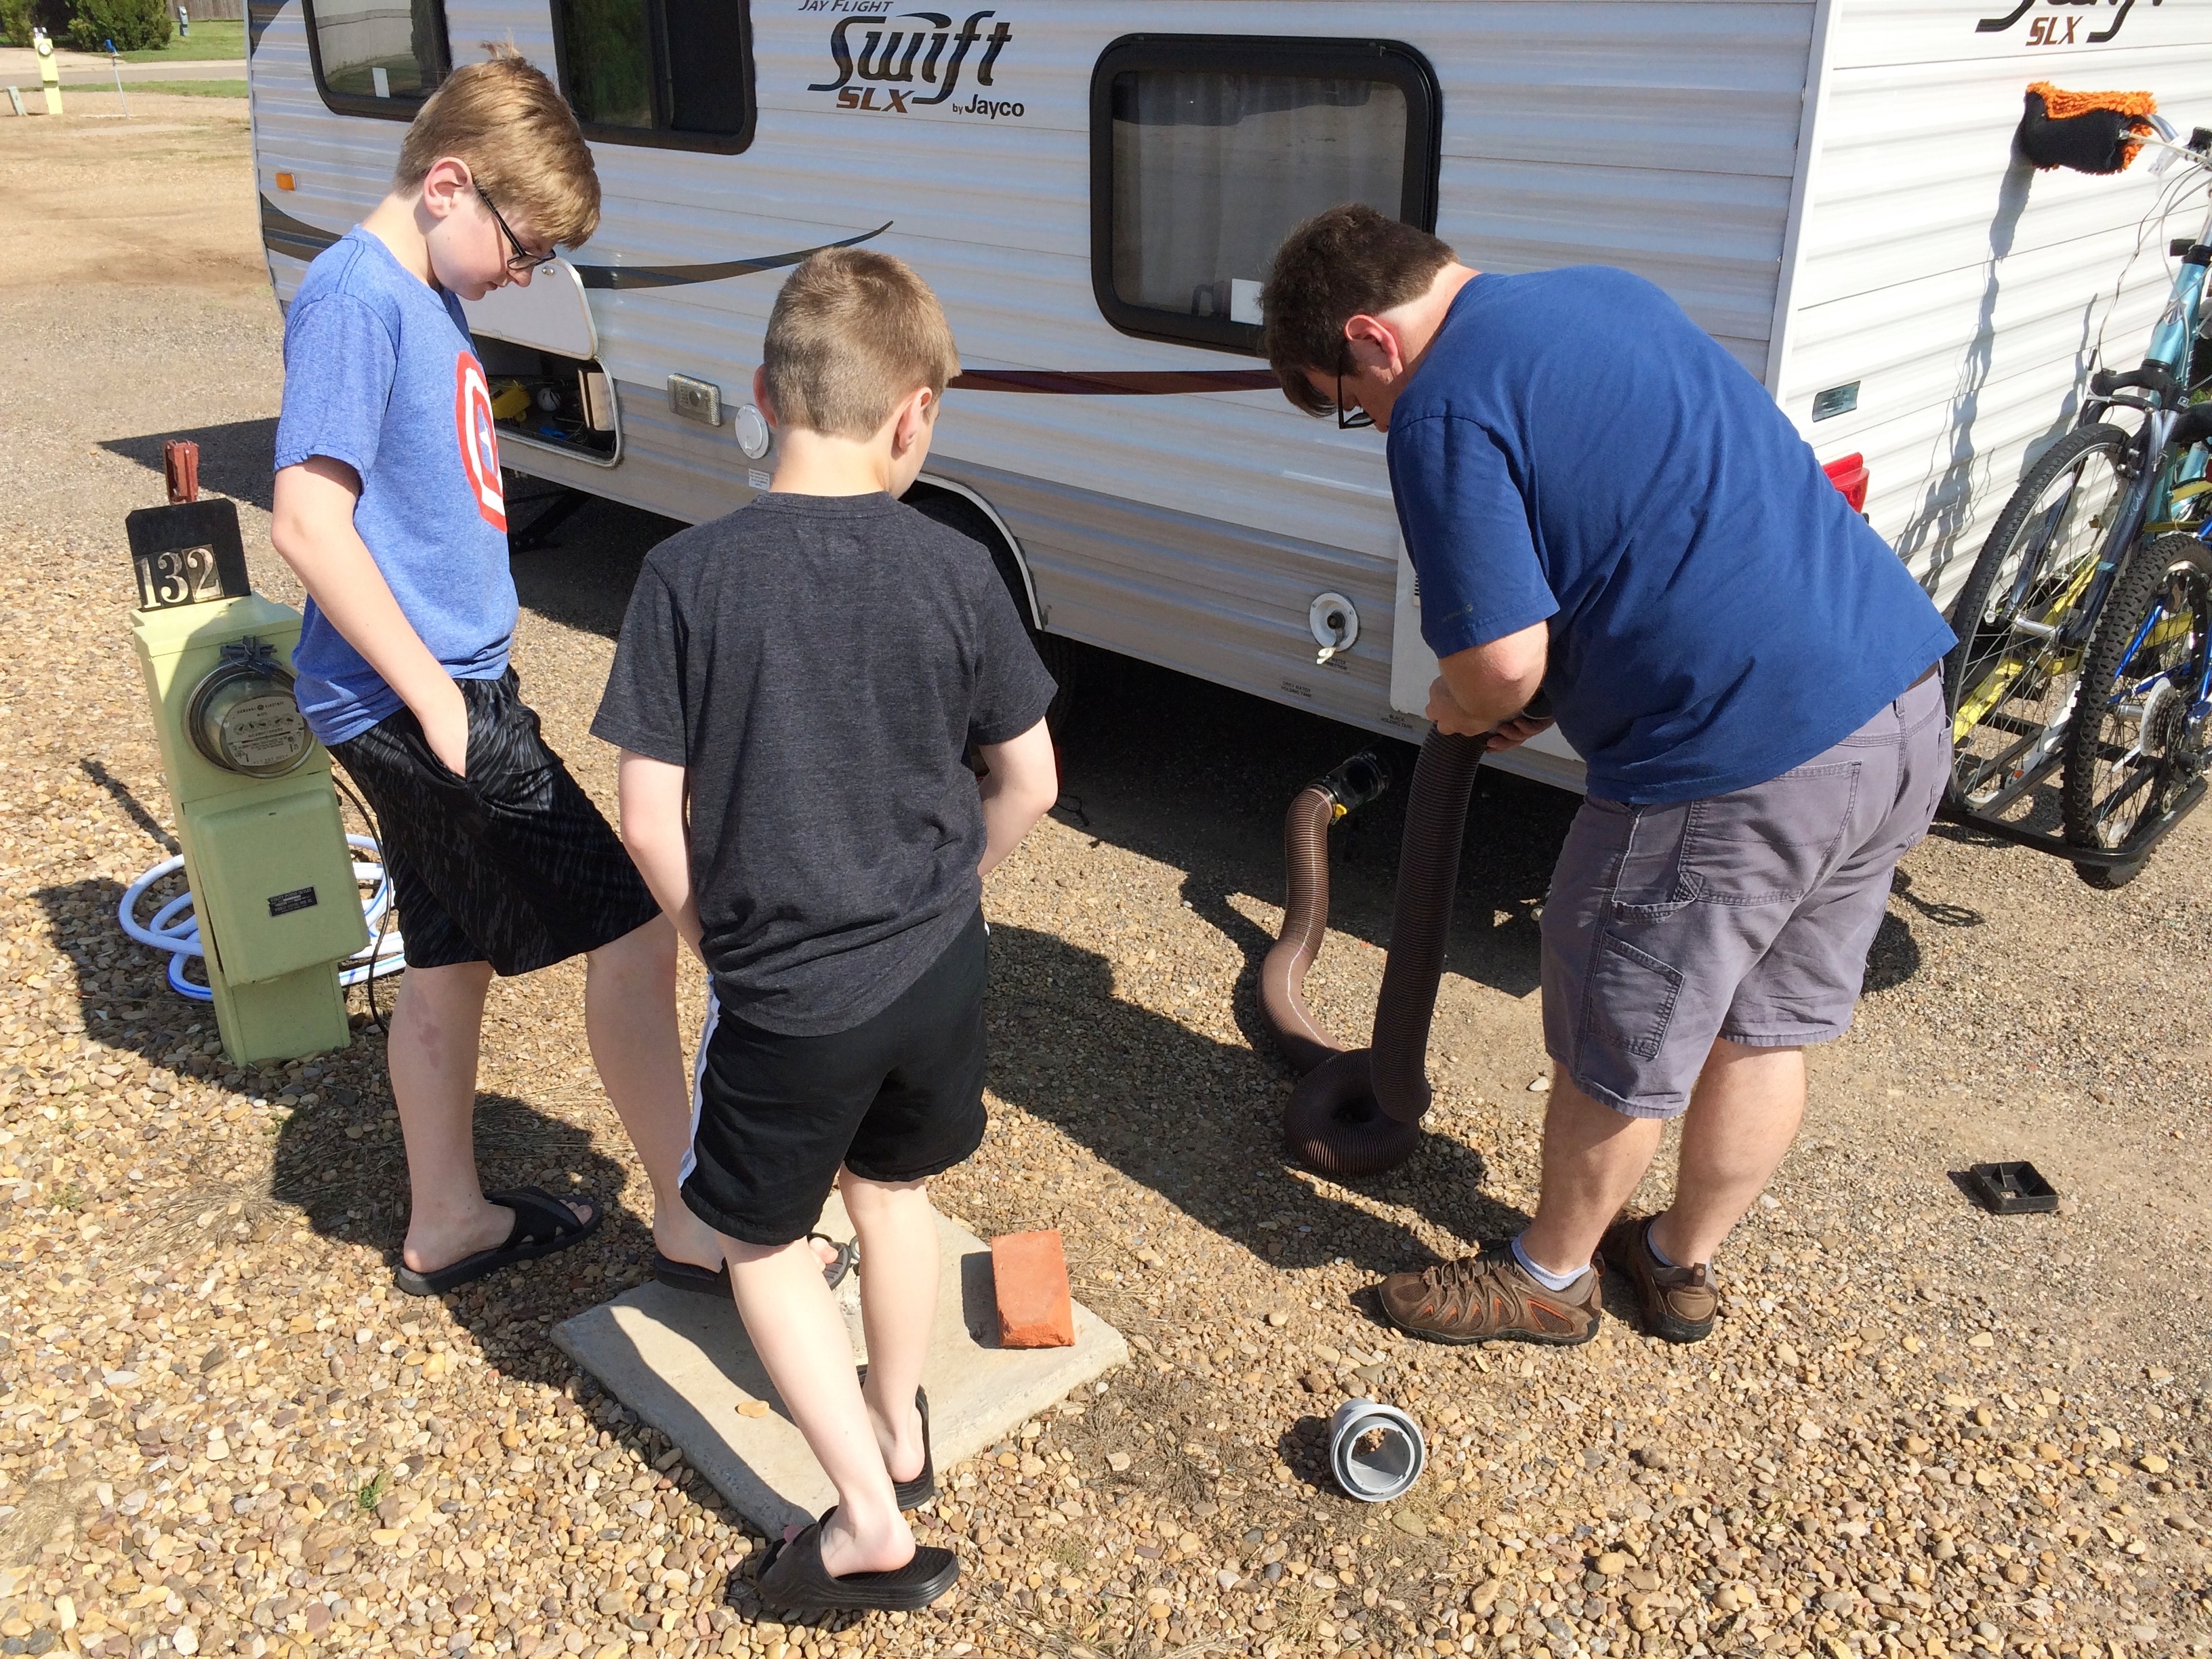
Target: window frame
x,y
381,109
1393,60
658,136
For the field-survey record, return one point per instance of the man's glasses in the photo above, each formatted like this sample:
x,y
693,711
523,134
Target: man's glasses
x,y
1350,421
523,261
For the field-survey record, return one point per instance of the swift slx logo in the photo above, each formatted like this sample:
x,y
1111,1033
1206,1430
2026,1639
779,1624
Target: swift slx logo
x,y
2061,31
896,64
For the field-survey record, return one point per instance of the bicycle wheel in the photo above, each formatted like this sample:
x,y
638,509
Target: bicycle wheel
x,y
2139,739
2009,682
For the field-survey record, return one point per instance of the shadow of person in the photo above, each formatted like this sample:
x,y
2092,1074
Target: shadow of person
x,y
1199,1121
344,1166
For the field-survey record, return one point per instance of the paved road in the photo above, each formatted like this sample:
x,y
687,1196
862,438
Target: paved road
x,y
19,67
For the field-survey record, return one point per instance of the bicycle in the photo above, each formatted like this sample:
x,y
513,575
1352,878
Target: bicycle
x,y
2029,617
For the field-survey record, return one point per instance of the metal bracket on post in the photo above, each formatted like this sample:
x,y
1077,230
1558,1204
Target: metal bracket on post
x,y
180,465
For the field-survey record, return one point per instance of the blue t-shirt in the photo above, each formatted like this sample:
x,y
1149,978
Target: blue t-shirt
x,y
1573,448
380,373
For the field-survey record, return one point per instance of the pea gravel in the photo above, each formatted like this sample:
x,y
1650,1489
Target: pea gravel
x,y
1918,1430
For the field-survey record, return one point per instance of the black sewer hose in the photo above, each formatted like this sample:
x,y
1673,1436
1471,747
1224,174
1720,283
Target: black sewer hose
x,y
1358,1112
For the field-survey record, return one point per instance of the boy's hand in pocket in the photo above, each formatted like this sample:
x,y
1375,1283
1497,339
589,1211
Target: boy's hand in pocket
x,y
446,729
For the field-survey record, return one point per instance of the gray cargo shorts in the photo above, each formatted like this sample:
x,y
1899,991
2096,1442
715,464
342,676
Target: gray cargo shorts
x,y
1746,915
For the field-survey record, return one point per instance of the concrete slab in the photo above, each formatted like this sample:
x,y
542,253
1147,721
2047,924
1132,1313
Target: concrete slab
x,y
681,1362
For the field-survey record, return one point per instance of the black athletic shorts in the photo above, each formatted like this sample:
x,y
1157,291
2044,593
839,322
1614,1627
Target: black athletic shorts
x,y
898,1097
513,864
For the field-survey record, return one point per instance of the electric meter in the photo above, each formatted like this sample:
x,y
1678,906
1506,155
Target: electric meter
x,y
243,717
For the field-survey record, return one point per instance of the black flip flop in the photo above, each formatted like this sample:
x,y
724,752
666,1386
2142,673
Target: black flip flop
x,y
689,1276
793,1580
543,1225
913,1494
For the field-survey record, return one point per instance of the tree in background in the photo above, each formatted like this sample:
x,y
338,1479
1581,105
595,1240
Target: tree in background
x,y
19,17
132,24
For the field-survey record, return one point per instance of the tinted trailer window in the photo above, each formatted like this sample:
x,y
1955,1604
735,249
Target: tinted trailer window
x,y
1206,150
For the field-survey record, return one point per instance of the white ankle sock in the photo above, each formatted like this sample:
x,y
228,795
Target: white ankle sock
x,y
1657,1254
1544,1276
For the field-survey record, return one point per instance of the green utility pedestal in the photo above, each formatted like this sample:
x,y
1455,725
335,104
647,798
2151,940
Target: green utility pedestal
x,y
265,848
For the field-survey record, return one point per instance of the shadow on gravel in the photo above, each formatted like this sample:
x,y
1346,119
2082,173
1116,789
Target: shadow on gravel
x,y
1200,1121
343,1165
1198,777
123,994
132,807
582,578
236,458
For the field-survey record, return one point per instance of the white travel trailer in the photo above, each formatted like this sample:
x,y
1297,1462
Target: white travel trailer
x,y
1828,186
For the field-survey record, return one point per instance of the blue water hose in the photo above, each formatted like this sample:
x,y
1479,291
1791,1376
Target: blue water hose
x,y
173,929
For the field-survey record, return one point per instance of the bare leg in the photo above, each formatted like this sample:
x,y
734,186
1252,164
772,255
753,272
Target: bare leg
x,y
432,1052
800,1337
1743,1115
1593,1158
629,1018
898,1227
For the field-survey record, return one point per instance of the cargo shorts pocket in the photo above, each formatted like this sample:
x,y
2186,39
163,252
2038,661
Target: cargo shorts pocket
x,y
1629,1002
1651,879
1774,842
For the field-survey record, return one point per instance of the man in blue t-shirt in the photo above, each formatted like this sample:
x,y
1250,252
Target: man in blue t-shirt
x,y
1601,504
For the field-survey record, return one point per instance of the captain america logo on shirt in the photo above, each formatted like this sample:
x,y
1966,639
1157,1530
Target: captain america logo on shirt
x,y
472,425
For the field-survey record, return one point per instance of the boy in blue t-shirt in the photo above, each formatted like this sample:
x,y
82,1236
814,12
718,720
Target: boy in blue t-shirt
x,y
388,505
1601,504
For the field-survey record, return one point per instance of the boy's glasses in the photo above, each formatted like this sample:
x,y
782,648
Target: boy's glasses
x,y
1345,423
523,261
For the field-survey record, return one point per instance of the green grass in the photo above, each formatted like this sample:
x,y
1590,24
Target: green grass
x,y
211,38
187,88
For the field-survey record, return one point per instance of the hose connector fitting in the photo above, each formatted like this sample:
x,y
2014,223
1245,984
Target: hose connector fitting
x,y
1353,783
1375,1451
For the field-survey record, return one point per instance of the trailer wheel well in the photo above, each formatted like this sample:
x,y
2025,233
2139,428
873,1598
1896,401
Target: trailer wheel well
x,y
955,510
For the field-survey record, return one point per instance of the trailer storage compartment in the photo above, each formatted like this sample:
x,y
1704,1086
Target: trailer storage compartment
x,y
549,398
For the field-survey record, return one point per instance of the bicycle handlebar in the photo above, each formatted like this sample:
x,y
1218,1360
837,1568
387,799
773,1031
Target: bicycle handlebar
x,y
2151,377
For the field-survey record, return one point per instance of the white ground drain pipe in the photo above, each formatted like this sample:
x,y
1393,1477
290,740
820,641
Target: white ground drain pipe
x,y
1376,1452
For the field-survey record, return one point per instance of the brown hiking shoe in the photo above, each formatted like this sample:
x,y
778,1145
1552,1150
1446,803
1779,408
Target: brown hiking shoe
x,y
1483,1298
1679,1303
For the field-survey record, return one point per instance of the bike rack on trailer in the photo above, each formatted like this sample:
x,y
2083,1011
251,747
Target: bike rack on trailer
x,y
2088,858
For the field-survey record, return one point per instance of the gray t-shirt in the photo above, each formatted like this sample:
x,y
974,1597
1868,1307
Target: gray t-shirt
x,y
818,665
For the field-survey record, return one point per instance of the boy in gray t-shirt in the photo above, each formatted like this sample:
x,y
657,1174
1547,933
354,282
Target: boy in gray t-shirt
x,y
795,688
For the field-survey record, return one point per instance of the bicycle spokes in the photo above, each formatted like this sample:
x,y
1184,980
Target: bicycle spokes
x,y
2013,676
2150,720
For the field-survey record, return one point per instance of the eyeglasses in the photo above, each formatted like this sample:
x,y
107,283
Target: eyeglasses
x,y
1346,422
523,261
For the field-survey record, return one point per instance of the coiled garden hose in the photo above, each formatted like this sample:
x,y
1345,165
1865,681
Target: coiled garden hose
x,y
174,928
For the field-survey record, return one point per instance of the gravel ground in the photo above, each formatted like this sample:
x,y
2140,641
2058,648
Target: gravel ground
x,y
1918,1430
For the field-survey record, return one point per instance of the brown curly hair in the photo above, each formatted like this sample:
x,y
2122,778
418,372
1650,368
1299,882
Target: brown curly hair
x,y
1342,262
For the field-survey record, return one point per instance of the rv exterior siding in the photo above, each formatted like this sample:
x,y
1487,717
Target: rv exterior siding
x,y
1190,530
1968,294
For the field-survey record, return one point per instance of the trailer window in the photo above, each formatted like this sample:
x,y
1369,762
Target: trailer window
x,y
670,72
378,57
1206,151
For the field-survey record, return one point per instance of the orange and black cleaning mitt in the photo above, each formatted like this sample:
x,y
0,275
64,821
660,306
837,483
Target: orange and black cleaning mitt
x,y
2087,131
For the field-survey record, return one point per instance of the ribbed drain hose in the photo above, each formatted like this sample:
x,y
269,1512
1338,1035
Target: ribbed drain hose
x,y
1358,1112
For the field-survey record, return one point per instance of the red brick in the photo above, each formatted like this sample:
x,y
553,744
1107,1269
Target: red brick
x,y
1031,1274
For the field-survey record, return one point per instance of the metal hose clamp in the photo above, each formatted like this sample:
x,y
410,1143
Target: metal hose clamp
x,y
1376,1452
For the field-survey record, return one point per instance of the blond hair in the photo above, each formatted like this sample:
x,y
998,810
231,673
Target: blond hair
x,y
853,333
521,141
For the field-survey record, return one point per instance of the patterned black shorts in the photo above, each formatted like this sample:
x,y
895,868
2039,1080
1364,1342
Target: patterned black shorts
x,y
513,864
